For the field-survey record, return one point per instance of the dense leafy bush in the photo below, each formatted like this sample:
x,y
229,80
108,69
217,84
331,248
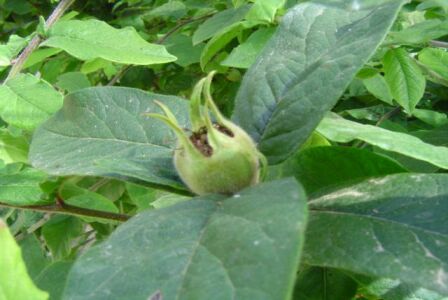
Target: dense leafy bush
x,y
345,99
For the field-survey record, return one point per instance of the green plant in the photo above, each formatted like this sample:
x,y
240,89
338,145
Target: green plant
x,y
337,109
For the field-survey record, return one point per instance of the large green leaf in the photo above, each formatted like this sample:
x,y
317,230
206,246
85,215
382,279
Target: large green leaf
x,y
15,282
393,227
405,80
242,247
305,68
91,39
26,101
102,131
340,130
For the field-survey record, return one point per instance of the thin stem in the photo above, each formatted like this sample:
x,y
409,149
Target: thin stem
x,y
160,41
34,44
438,44
63,208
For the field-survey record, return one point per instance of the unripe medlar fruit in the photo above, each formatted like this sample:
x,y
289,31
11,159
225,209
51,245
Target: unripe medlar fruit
x,y
218,157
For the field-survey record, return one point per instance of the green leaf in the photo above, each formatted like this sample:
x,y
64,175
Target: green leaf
x,y
420,33
325,167
15,282
91,39
437,136
39,55
378,87
218,22
21,187
11,49
72,81
93,201
315,283
33,255
436,60
264,10
393,227
243,247
26,101
59,234
103,132
245,54
428,4
13,148
340,130
141,196
53,278
305,68
405,80
182,47
220,40
175,9
393,289
431,117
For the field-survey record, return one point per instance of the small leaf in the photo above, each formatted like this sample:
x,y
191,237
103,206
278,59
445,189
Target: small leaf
x,y
182,47
242,247
93,201
264,10
378,87
91,39
340,130
59,234
420,33
431,117
405,80
315,283
72,81
304,69
15,282
393,289
245,54
21,187
220,40
436,60
13,148
26,101
392,227
218,22
103,131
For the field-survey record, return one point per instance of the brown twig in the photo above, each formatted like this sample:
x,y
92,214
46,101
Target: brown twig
x,y
63,208
34,44
439,44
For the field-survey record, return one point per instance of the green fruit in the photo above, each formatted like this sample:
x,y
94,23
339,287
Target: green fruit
x,y
218,157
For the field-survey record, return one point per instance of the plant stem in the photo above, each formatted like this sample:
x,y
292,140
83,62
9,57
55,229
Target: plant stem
x,y
438,44
34,44
161,40
63,208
